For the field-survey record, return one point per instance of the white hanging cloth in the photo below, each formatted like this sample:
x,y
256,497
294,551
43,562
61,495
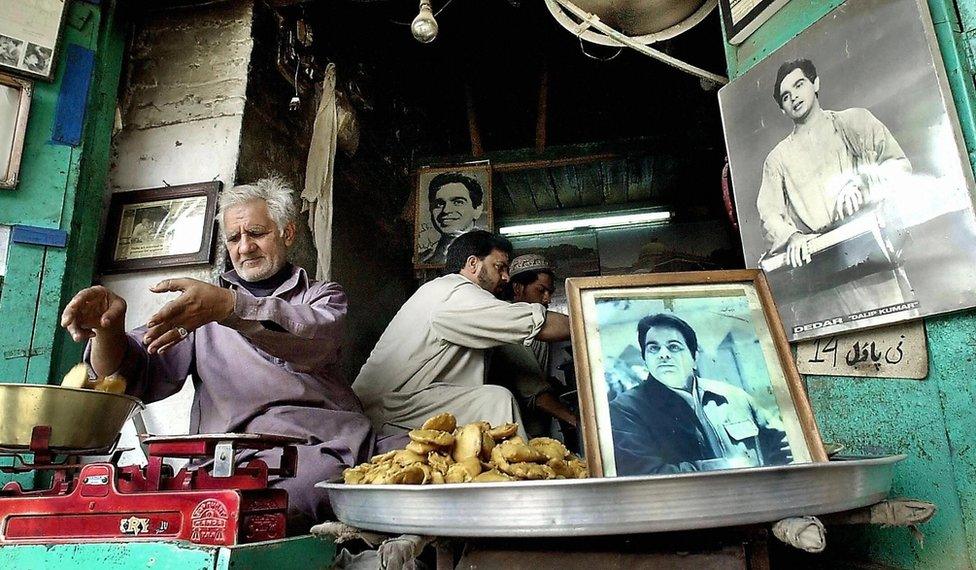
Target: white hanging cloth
x,y
319,173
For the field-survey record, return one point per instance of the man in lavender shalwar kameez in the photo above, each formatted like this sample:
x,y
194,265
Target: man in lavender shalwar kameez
x,y
263,351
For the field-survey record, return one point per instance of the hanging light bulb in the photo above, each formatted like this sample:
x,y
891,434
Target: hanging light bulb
x,y
424,26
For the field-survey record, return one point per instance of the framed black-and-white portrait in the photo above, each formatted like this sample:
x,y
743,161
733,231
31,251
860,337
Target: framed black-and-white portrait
x,y
160,227
851,180
29,36
686,372
450,201
15,100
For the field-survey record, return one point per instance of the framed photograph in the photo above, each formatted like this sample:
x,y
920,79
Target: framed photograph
x,y
686,372
160,227
29,36
743,17
15,100
450,201
851,179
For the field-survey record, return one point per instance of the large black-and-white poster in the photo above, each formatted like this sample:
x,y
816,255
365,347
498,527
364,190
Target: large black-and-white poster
x,y
850,174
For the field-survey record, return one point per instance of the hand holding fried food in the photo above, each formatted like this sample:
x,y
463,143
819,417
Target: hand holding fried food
x,y
443,452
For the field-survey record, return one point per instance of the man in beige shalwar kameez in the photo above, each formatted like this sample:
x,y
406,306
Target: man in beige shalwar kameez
x,y
431,357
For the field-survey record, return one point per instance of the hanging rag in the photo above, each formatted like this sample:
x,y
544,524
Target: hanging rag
x,y
319,173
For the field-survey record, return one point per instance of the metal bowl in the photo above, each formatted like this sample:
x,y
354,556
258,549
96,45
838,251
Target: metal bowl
x,y
80,420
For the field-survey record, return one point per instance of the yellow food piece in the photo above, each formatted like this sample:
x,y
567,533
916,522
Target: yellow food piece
x,y
406,457
439,462
114,384
431,436
491,476
77,377
515,452
503,431
551,448
441,422
467,442
421,448
487,444
530,471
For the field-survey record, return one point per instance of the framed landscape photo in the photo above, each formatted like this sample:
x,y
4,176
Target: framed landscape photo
x,y
686,372
15,100
29,36
450,201
160,227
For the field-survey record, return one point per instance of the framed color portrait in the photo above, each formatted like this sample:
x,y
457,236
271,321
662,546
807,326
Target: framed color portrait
x,y
160,227
851,178
686,372
450,201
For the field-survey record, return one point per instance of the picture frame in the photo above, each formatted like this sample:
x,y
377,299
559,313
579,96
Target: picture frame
x,y
160,227
751,408
30,34
459,209
874,224
741,18
15,101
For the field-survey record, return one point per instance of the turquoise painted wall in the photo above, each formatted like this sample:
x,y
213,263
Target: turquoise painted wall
x,y
932,421
61,187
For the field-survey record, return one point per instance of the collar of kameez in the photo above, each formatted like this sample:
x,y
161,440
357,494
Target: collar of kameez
x,y
298,275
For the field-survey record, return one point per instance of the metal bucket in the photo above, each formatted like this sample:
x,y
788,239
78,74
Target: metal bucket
x,y
80,420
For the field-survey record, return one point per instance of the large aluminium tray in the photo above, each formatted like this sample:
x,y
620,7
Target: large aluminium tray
x,y
618,505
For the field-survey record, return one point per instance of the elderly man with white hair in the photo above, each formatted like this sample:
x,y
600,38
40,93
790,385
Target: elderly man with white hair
x,y
263,347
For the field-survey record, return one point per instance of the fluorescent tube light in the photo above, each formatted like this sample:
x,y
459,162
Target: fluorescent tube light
x,y
601,222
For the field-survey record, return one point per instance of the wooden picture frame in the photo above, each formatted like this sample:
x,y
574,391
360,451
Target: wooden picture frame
x,y
459,210
160,227
15,100
30,35
741,18
751,409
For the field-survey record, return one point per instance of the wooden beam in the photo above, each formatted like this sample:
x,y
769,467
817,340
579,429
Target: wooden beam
x,y
476,148
542,109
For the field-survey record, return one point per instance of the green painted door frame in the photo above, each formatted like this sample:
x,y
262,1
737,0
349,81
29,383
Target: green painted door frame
x,y
61,187
933,421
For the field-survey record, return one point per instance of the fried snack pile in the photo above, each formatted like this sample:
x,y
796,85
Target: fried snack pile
x,y
441,452
77,377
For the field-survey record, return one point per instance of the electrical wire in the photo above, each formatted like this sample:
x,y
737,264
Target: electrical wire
x,y
437,13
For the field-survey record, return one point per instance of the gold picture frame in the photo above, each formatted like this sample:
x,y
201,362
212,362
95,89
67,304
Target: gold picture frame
x,y
15,100
737,403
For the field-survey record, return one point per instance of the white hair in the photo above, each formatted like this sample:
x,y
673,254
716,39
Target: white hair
x,y
275,192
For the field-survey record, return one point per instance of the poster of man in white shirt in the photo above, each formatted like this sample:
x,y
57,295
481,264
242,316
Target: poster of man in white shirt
x,y
850,186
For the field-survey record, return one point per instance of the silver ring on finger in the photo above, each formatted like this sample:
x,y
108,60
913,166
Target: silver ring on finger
x,y
182,332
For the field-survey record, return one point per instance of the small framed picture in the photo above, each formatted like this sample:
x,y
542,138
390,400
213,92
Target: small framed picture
x,y
29,36
743,17
450,201
686,372
15,100
160,227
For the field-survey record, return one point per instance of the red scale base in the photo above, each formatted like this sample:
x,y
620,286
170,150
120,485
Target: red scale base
x,y
216,503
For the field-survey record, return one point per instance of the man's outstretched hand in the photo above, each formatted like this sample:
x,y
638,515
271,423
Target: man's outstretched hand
x,y
91,310
198,304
